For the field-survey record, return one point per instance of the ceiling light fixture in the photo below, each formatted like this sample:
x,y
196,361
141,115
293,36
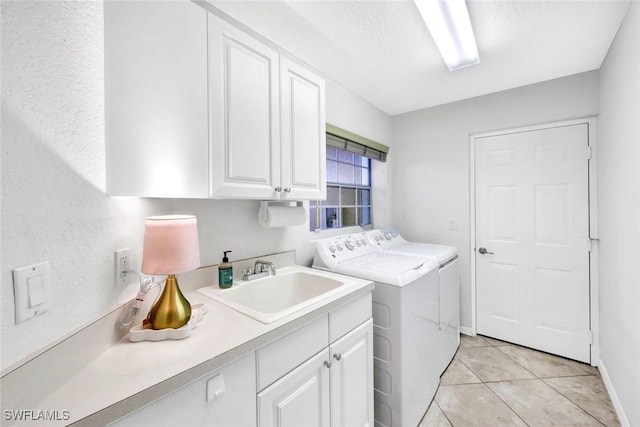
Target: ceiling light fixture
x,y
449,24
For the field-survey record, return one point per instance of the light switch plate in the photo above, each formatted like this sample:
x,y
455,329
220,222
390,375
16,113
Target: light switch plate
x,y
31,290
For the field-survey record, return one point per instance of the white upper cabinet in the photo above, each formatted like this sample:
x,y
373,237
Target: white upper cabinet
x,y
303,171
244,103
156,99
197,108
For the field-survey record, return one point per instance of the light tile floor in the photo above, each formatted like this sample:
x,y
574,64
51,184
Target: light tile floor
x,y
491,383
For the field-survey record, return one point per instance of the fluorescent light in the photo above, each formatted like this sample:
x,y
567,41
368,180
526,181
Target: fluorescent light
x,y
449,24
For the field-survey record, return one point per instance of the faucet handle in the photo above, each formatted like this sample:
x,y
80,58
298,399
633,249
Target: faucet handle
x,y
246,272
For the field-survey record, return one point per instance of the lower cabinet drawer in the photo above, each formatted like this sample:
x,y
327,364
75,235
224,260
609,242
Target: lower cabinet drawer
x,y
281,356
349,316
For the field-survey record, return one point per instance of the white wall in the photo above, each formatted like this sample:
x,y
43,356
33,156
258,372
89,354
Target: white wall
x,y
431,157
53,175
619,214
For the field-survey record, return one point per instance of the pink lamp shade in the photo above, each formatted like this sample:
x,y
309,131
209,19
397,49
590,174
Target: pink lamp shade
x,y
170,244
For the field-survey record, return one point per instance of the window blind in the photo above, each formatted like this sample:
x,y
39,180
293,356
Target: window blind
x,y
353,143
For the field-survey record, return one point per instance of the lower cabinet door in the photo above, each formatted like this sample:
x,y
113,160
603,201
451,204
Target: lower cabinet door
x,y
300,398
352,378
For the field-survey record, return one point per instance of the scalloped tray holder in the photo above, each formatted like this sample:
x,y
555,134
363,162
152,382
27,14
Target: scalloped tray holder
x,y
137,334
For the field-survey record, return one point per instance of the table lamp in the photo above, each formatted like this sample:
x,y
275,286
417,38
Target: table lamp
x,y
170,247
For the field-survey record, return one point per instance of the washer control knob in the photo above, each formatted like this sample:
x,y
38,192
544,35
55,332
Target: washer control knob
x,y
349,245
332,249
340,247
364,242
387,235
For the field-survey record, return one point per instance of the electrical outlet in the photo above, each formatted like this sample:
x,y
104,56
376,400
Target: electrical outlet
x,y
121,261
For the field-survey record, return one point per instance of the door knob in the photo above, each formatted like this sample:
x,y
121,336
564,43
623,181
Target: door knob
x,y
327,363
337,356
484,251
287,190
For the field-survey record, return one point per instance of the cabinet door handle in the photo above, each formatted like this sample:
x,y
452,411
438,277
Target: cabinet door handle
x,y
337,356
287,190
278,189
327,363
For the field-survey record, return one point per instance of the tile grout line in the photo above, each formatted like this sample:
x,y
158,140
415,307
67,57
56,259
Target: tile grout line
x,y
442,410
496,347
487,387
571,400
544,382
507,405
494,393
518,363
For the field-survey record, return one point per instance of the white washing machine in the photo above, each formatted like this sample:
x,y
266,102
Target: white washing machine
x,y
392,242
405,317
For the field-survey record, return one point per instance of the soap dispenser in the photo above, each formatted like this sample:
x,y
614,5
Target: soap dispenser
x,y
225,272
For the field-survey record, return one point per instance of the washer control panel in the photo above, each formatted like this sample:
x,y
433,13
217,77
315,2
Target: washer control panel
x,y
384,238
337,249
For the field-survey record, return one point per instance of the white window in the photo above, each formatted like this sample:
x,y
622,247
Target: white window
x,y
348,192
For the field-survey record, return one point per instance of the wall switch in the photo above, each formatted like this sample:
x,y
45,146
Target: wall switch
x,y
121,262
453,224
31,290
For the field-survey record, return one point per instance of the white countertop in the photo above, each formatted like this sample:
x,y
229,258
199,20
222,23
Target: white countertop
x,y
129,375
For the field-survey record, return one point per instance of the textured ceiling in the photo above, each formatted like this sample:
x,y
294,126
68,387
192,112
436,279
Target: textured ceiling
x,y
383,52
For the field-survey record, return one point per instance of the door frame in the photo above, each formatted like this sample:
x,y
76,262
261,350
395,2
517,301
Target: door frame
x,y
593,222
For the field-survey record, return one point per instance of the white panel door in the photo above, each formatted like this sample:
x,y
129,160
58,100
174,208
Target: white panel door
x,y
300,398
352,378
244,120
532,217
303,133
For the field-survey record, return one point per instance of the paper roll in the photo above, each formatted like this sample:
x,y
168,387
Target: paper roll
x,y
281,216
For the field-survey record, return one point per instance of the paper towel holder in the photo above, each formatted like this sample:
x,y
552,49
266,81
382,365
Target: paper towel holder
x,y
290,203
281,213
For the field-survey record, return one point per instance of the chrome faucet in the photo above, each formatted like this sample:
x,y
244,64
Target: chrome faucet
x,y
262,266
260,269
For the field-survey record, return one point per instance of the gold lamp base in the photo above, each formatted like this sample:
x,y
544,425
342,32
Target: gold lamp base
x,y
172,310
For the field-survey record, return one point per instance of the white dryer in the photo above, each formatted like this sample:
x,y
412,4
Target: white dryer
x,y
405,318
392,242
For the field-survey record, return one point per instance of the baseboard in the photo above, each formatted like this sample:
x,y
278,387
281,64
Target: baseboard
x,y
467,331
624,422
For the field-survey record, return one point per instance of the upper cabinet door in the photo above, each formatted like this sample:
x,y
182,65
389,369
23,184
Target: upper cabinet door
x,y
156,99
303,170
244,114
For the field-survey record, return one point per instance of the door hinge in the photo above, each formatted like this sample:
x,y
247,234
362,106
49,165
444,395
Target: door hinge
x,y
588,152
590,337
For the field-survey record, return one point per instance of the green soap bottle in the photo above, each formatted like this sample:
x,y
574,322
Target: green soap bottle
x,y
225,272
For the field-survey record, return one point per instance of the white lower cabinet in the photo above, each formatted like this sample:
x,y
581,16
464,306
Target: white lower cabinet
x,y
225,397
300,398
351,378
320,374
333,388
